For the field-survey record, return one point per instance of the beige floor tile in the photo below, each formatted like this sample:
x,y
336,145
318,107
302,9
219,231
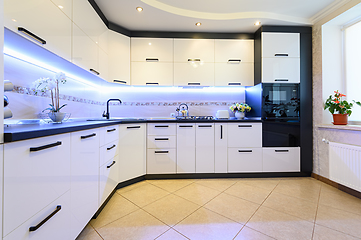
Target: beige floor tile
x,y
205,224
324,233
88,233
145,195
171,185
171,209
235,208
280,225
265,183
138,225
116,208
131,187
197,193
335,198
250,234
300,188
294,206
339,220
247,192
171,235
217,184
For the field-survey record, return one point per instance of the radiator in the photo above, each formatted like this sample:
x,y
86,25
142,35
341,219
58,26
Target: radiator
x,y
345,164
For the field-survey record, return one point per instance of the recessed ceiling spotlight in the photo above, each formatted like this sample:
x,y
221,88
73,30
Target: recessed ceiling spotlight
x,y
150,43
139,9
198,24
14,20
61,7
257,23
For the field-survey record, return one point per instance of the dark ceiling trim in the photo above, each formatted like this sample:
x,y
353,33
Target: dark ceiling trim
x,y
289,29
99,12
194,35
119,29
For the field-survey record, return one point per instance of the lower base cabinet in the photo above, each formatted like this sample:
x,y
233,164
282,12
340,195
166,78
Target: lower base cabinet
x,y
244,160
108,178
281,159
161,161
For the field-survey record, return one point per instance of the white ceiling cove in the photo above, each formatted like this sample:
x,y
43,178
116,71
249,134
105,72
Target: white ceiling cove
x,y
215,15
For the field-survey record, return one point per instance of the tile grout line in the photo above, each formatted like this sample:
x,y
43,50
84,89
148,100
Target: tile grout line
x,y
318,202
97,232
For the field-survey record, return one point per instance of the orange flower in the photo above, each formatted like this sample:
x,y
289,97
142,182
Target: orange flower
x,y
342,95
335,101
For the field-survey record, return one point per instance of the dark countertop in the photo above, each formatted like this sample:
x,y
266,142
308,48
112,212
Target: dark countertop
x,y
17,132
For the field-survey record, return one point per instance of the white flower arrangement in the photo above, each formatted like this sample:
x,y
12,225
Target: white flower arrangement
x,y
51,84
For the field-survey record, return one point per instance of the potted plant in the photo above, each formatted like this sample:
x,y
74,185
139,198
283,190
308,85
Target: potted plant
x,y
52,84
334,103
239,109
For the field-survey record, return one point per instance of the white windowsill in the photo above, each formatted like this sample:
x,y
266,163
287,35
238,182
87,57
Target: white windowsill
x,y
340,127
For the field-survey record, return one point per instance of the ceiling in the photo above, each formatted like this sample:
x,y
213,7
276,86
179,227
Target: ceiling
x,y
215,15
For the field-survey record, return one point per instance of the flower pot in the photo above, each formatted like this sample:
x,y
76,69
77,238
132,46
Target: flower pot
x,y
239,115
340,119
56,116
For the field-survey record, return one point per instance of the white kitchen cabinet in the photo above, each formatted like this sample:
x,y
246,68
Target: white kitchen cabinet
x,y
190,49
205,148
108,178
233,49
1,184
152,73
109,151
57,227
132,149
234,73
66,6
220,147
280,44
84,178
194,73
36,172
108,134
186,151
244,160
161,160
281,70
119,58
161,141
103,64
245,135
159,129
281,159
148,49
43,19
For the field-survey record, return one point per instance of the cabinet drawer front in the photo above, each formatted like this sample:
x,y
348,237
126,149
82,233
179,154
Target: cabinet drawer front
x,y
244,135
108,179
280,43
281,70
244,160
57,227
109,151
154,48
281,159
161,161
228,73
162,129
34,179
109,134
152,73
161,142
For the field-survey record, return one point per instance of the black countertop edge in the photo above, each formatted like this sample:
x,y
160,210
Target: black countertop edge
x,y
18,132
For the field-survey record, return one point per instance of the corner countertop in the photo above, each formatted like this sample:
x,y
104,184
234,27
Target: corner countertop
x,y
17,132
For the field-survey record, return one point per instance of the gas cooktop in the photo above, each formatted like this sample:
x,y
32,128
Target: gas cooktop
x,y
195,118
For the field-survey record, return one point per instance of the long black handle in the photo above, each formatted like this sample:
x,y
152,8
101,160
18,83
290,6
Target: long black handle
x,y
161,151
110,148
204,125
152,60
134,127
281,80
281,55
34,228
35,149
234,84
194,83
111,130
151,83
88,136
161,139
244,125
244,151
221,131
184,126
111,164
32,35
194,59
161,126
94,71
281,150
234,60
120,81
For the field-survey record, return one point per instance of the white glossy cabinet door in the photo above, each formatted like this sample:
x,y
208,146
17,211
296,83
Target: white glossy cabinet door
x,y
245,135
132,151
108,178
159,142
152,73
67,7
55,228
162,129
84,178
234,73
161,161
244,160
108,134
187,49
280,44
220,147
152,49
44,19
193,73
1,184
36,172
119,58
109,151
281,159
281,70
204,148
186,151
233,49
103,64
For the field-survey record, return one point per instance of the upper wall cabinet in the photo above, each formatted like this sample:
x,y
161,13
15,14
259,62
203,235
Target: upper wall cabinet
x,y
41,20
280,44
151,61
192,49
234,62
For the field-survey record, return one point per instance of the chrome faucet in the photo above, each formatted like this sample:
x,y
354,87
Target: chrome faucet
x,y
107,115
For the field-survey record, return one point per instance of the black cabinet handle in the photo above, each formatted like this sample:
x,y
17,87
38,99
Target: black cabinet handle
x,y
34,228
111,130
161,126
88,136
204,125
281,55
244,126
110,148
221,131
281,80
234,84
242,151
35,149
32,35
161,151
194,83
133,127
161,139
152,83
152,60
234,60
111,164
120,81
281,150
94,71
185,126
194,59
